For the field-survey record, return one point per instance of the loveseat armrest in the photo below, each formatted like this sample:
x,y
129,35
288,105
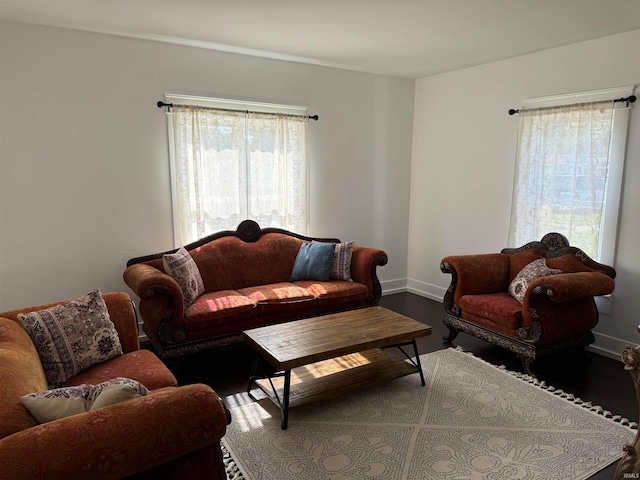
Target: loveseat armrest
x,y
159,293
566,287
123,315
118,440
475,274
364,262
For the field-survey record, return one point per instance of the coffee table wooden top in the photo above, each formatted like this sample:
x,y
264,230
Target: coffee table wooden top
x,y
301,342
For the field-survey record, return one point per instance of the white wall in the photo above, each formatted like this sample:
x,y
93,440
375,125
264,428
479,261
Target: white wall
x,y
84,176
463,164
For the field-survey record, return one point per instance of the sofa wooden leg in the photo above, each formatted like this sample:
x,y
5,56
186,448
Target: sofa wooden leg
x,y
453,333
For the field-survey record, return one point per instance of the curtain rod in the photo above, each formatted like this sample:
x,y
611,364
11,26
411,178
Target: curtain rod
x,y
161,104
629,99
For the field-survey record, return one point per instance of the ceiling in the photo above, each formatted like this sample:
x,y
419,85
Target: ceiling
x,y
403,38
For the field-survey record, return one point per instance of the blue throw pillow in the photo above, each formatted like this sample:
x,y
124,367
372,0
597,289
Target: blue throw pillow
x,y
314,262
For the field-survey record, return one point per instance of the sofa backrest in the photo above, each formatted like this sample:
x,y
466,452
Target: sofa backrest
x,y
567,259
21,373
244,258
231,263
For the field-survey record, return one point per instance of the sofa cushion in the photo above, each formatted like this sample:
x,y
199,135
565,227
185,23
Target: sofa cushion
x,y
211,307
284,292
279,297
313,262
184,271
535,270
142,366
72,336
63,402
335,292
499,308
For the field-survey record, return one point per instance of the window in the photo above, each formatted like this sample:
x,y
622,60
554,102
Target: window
x,y
233,161
569,165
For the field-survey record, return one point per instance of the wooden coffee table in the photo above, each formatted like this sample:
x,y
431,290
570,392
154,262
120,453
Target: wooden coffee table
x,y
317,358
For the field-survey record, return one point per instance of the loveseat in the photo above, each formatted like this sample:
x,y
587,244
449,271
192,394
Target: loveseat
x,y
170,432
534,300
247,282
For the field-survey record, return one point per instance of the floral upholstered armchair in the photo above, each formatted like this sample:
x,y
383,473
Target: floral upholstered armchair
x,y
95,405
533,300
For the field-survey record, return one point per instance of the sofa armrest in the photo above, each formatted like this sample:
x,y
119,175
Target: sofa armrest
x,y
475,274
118,440
364,262
566,287
160,296
123,315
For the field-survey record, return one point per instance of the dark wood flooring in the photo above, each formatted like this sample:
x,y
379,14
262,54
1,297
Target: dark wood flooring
x,y
591,377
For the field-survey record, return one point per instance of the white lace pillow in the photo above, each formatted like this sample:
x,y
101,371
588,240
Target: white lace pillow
x,y
530,273
63,402
184,270
72,336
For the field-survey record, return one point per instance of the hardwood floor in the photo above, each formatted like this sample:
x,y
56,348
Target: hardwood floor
x,y
592,377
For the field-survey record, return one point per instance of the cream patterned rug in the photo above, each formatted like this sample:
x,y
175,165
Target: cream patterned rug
x,y
472,421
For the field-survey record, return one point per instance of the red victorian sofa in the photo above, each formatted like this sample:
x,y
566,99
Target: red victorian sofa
x,y
246,283
170,433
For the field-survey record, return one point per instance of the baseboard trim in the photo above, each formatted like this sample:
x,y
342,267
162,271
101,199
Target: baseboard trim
x,y
423,289
608,346
428,290
389,287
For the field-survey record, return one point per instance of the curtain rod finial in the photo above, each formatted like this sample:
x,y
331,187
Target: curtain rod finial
x,y
512,111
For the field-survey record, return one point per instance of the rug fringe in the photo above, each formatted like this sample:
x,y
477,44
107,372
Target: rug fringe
x,y
560,393
230,466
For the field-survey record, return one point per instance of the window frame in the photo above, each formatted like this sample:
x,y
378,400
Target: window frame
x,y
229,104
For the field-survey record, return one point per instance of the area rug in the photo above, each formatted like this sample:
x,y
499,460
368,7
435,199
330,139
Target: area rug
x,y
472,420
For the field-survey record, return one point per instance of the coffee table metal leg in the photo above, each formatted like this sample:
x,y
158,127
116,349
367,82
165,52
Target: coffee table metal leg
x,y
285,400
415,360
253,377
417,356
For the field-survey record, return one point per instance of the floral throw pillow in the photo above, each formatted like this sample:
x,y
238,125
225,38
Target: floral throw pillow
x,y
72,336
530,273
183,269
64,402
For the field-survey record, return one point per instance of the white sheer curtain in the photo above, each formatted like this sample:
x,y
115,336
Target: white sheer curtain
x,y
561,174
230,166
